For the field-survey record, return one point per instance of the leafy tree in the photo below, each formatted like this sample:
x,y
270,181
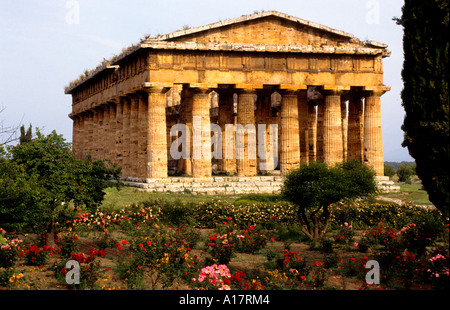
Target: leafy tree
x,y
425,95
19,191
389,170
43,176
405,171
314,187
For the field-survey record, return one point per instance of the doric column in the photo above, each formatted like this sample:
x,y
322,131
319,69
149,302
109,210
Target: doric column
x,y
332,127
373,141
266,139
355,135
119,135
246,134
201,133
95,135
185,164
226,123
312,132
106,131
156,135
134,135
126,137
303,122
112,132
290,136
142,138
100,133
344,125
320,131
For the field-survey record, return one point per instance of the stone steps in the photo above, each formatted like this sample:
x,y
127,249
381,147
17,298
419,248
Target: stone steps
x,y
386,185
220,185
216,185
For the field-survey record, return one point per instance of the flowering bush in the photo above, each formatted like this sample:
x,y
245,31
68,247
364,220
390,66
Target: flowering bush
x,y
287,261
89,268
68,245
252,240
9,250
277,280
378,235
164,252
364,214
437,268
345,234
36,256
215,276
319,275
416,237
208,214
220,248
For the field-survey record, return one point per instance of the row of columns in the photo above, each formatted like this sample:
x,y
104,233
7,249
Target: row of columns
x,y
132,131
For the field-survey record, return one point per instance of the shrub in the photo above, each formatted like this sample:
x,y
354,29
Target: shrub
x,y
314,187
252,240
36,256
437,268
364,214
176,213
89,268
9,250
211,213
220,248
214,277
68,245
345,235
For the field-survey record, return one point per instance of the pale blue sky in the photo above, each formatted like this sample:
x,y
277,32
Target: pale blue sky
x,y
41,51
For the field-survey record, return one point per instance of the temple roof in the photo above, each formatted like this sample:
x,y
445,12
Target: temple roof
x,y
267,31
246,18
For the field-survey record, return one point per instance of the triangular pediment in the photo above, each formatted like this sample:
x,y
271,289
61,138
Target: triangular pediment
x,y
264,28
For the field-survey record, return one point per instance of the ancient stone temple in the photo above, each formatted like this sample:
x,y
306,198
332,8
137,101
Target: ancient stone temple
x,y
315,90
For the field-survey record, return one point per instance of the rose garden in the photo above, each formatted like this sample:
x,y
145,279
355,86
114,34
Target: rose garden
x,y
188,242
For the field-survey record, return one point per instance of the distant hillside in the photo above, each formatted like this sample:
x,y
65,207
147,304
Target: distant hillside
x,y
395,164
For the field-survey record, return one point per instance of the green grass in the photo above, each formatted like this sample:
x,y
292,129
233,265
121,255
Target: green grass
x,y
117,199
411,192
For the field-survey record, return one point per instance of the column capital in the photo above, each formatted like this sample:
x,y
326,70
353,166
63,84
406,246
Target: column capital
x,y
74,117
156,90
200,90
334,90
375,90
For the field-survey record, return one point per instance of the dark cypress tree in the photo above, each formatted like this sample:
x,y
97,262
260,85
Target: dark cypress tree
x,y
425,94
25,136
